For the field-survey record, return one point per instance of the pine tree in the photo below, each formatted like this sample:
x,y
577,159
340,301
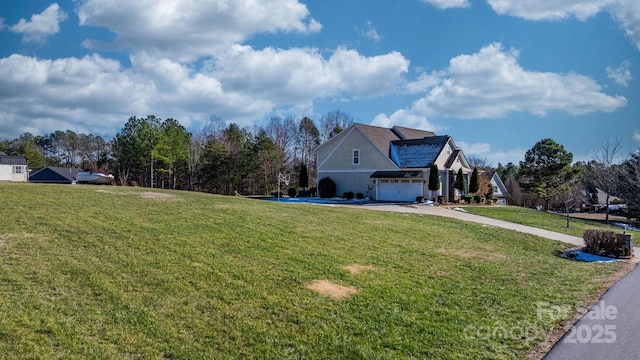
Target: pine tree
x,y
474,183
434,178
459,183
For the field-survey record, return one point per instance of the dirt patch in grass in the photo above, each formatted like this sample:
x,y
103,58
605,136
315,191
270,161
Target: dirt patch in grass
x,y
332,290
356,269
144,194
157,196
540,350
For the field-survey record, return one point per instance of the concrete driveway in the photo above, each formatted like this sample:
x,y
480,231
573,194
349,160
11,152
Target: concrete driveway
x,y
464,216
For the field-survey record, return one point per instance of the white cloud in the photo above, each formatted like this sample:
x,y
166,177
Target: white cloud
x,y
424,82
186,30
41,25
301,74
407,119
241,85
445,4
627,13
476,149
620,75
549,9
491,84
636,136
493,157
369,32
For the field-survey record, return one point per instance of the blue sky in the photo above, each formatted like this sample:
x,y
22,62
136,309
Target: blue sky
x,y
496,75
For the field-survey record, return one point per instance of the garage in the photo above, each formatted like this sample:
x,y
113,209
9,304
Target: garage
x,y
398,185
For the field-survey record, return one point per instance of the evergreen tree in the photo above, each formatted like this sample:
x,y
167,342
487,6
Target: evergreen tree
x,y
434,178
474,183
303,181
459,183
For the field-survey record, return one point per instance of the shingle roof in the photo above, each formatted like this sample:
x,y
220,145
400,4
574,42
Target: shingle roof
x,y
379,136
410,134
13,160
52,174
420,153
382,137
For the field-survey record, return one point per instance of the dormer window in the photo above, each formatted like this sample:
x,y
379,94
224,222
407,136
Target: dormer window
x,y
356,157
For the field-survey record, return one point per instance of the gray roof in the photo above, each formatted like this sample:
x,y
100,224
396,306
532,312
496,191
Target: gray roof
x,y
51,174
419,153
13,160
406,133
382,137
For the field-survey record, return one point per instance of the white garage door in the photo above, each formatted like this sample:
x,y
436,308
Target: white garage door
x,y
399,190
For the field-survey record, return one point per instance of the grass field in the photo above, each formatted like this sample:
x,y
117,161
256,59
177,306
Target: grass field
x,y
541,219
90,272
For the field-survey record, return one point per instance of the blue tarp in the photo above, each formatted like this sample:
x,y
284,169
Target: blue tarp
x,y
580,255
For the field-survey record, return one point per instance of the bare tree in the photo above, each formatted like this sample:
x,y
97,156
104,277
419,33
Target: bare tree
x,y
333,122
602,172
570,198
283,133
480,163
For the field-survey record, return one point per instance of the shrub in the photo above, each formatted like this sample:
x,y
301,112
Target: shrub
x,y
419,199
359,196
302,193
468,199
600,242
479,199
326,187
347,195
313,191
292,192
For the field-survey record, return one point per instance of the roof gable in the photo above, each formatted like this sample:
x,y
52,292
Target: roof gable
x,y
420,153
54,174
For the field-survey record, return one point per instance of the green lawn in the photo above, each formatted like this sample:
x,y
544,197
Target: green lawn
x,y
90,272
540,219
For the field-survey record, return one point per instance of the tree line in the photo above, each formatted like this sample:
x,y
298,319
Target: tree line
x,y
227,159
219,158
548,177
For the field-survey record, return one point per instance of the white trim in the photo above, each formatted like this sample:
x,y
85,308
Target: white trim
x,y
354,157
350,171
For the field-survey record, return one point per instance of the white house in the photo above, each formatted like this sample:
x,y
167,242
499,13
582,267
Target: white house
x,y
499,190
13,168
391,164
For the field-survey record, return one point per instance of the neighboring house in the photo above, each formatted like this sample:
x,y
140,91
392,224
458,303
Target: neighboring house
x,y
54,175
390,164
13,168
499,190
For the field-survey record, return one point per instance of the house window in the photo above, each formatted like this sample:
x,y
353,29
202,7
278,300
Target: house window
x,y
17,169
356,157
